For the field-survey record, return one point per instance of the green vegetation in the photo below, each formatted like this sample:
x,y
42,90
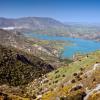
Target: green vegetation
x,y
34,77
74,71
20,68
62,80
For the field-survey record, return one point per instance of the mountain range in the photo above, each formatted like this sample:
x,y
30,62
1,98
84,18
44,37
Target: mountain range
x,y
32,23
50,26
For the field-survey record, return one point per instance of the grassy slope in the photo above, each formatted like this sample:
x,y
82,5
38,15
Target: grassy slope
x,y
60,77
85,62
54,84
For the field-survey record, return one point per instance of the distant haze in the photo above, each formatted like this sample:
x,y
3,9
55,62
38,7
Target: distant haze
x,y
63,10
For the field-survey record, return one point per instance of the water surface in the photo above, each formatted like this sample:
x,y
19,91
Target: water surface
x,y
80,45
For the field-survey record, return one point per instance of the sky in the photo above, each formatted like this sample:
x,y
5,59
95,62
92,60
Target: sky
x,y
62,10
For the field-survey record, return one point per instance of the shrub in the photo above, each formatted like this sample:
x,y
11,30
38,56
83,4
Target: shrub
x,y
73,81
56,81
82,69
75,74
63,75
56,71
57,76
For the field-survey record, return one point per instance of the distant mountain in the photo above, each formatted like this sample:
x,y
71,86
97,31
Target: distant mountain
x,y
84,30
82,24
32,23
50,26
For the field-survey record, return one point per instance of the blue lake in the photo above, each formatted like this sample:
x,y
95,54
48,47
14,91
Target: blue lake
x,y
80,45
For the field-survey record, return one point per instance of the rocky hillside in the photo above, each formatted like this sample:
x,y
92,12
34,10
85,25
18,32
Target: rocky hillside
x,y
10,38
19,41
47,50
20,68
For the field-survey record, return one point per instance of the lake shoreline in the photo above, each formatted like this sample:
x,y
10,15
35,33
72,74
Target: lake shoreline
x,y
81,46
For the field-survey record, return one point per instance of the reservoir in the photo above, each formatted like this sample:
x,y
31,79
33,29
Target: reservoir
x,y
80,45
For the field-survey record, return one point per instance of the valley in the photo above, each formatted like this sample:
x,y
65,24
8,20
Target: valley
x,y
44,59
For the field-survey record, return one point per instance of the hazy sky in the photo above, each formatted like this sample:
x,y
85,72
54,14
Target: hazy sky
x,y
63,10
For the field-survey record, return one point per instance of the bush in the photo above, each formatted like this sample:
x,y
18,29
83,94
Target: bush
x,y
56,71
63,75
75,74
57,76
73,81
56,81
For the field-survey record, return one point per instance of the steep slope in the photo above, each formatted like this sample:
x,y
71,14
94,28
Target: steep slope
x,y
47,50
30,45
72,82
19,68
84,78
25,77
